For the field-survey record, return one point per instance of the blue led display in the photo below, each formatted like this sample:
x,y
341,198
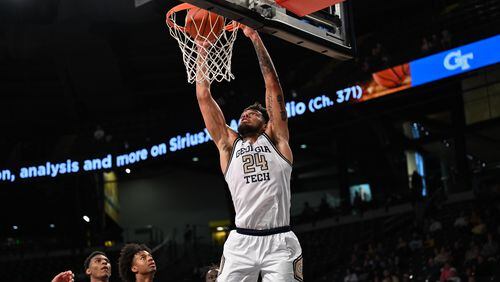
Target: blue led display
x,y
456,61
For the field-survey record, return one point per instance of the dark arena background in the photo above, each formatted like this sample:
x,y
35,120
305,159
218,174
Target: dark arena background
x,y
397,151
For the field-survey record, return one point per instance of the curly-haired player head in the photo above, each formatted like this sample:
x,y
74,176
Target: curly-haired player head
x,y
136,263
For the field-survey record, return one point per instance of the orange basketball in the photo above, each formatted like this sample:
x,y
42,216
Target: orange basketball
x,y
203,25
392,77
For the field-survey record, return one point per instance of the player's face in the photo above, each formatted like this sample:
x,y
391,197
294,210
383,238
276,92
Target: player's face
x,y
251,122
99,267
211,276
143,263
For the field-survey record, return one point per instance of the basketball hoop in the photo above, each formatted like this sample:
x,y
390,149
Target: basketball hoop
x,y
206,42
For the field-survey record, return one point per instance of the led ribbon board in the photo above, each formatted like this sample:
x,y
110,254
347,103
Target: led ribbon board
x,y
389,81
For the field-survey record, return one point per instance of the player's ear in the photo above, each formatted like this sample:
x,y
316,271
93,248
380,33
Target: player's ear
x,y
87,271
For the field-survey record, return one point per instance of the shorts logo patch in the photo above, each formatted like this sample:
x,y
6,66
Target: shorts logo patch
x,y
221,266
297,269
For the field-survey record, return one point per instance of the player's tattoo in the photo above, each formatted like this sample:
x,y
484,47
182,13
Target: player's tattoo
x,y
281,102
266,65
269,72
269,106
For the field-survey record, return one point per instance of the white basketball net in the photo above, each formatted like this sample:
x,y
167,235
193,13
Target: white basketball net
x,y
214,63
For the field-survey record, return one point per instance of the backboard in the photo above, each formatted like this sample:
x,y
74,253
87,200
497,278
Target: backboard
x,y
328,31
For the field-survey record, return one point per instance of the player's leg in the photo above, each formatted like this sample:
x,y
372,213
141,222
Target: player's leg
x,y
238,261
284,263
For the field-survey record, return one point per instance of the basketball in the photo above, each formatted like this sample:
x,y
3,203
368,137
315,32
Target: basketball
x,y
392,77
203,25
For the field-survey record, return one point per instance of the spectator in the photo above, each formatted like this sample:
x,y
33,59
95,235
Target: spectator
x,y
471,253
479,228
429,242
433,183
475,219
370,250
358,203
415,243
389,277
446,272
350,276
188,239
453,277
469,275
483,269
435,226
435,43
380,249
402,248
378,58
363,274
380,263
458,251
431,270
425,47
188,234
368,263
446,40
388,202
490,248
363,64
442,256
462,221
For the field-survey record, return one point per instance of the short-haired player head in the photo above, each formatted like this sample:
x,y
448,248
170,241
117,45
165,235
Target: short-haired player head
x,y
253,120
97,267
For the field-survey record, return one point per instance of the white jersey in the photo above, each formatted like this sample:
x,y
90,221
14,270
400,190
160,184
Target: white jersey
x,y
258,176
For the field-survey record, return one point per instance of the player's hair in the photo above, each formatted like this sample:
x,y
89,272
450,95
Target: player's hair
x,y
258,107
207,269
125,261
213,267
86,263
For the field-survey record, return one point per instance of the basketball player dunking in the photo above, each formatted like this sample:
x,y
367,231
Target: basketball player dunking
x,y
257,165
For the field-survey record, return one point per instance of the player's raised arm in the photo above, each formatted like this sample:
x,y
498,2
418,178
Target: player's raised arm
x,y
277,127
213,116
222,135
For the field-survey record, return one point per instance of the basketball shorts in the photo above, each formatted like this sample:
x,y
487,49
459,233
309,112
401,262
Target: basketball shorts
x,y
277,257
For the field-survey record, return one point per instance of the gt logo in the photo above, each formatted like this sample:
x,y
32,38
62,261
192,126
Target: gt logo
x,y
455,60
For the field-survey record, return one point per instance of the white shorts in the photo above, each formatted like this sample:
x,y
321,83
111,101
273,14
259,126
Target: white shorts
x,y
276,257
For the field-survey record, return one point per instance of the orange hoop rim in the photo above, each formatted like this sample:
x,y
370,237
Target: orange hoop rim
x,y
232,25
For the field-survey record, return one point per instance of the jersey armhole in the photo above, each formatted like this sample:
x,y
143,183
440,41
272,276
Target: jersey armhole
x,y
231,155
276,149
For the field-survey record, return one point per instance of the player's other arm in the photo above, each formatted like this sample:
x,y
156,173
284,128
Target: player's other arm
x,y
277,127
221,134
66,276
